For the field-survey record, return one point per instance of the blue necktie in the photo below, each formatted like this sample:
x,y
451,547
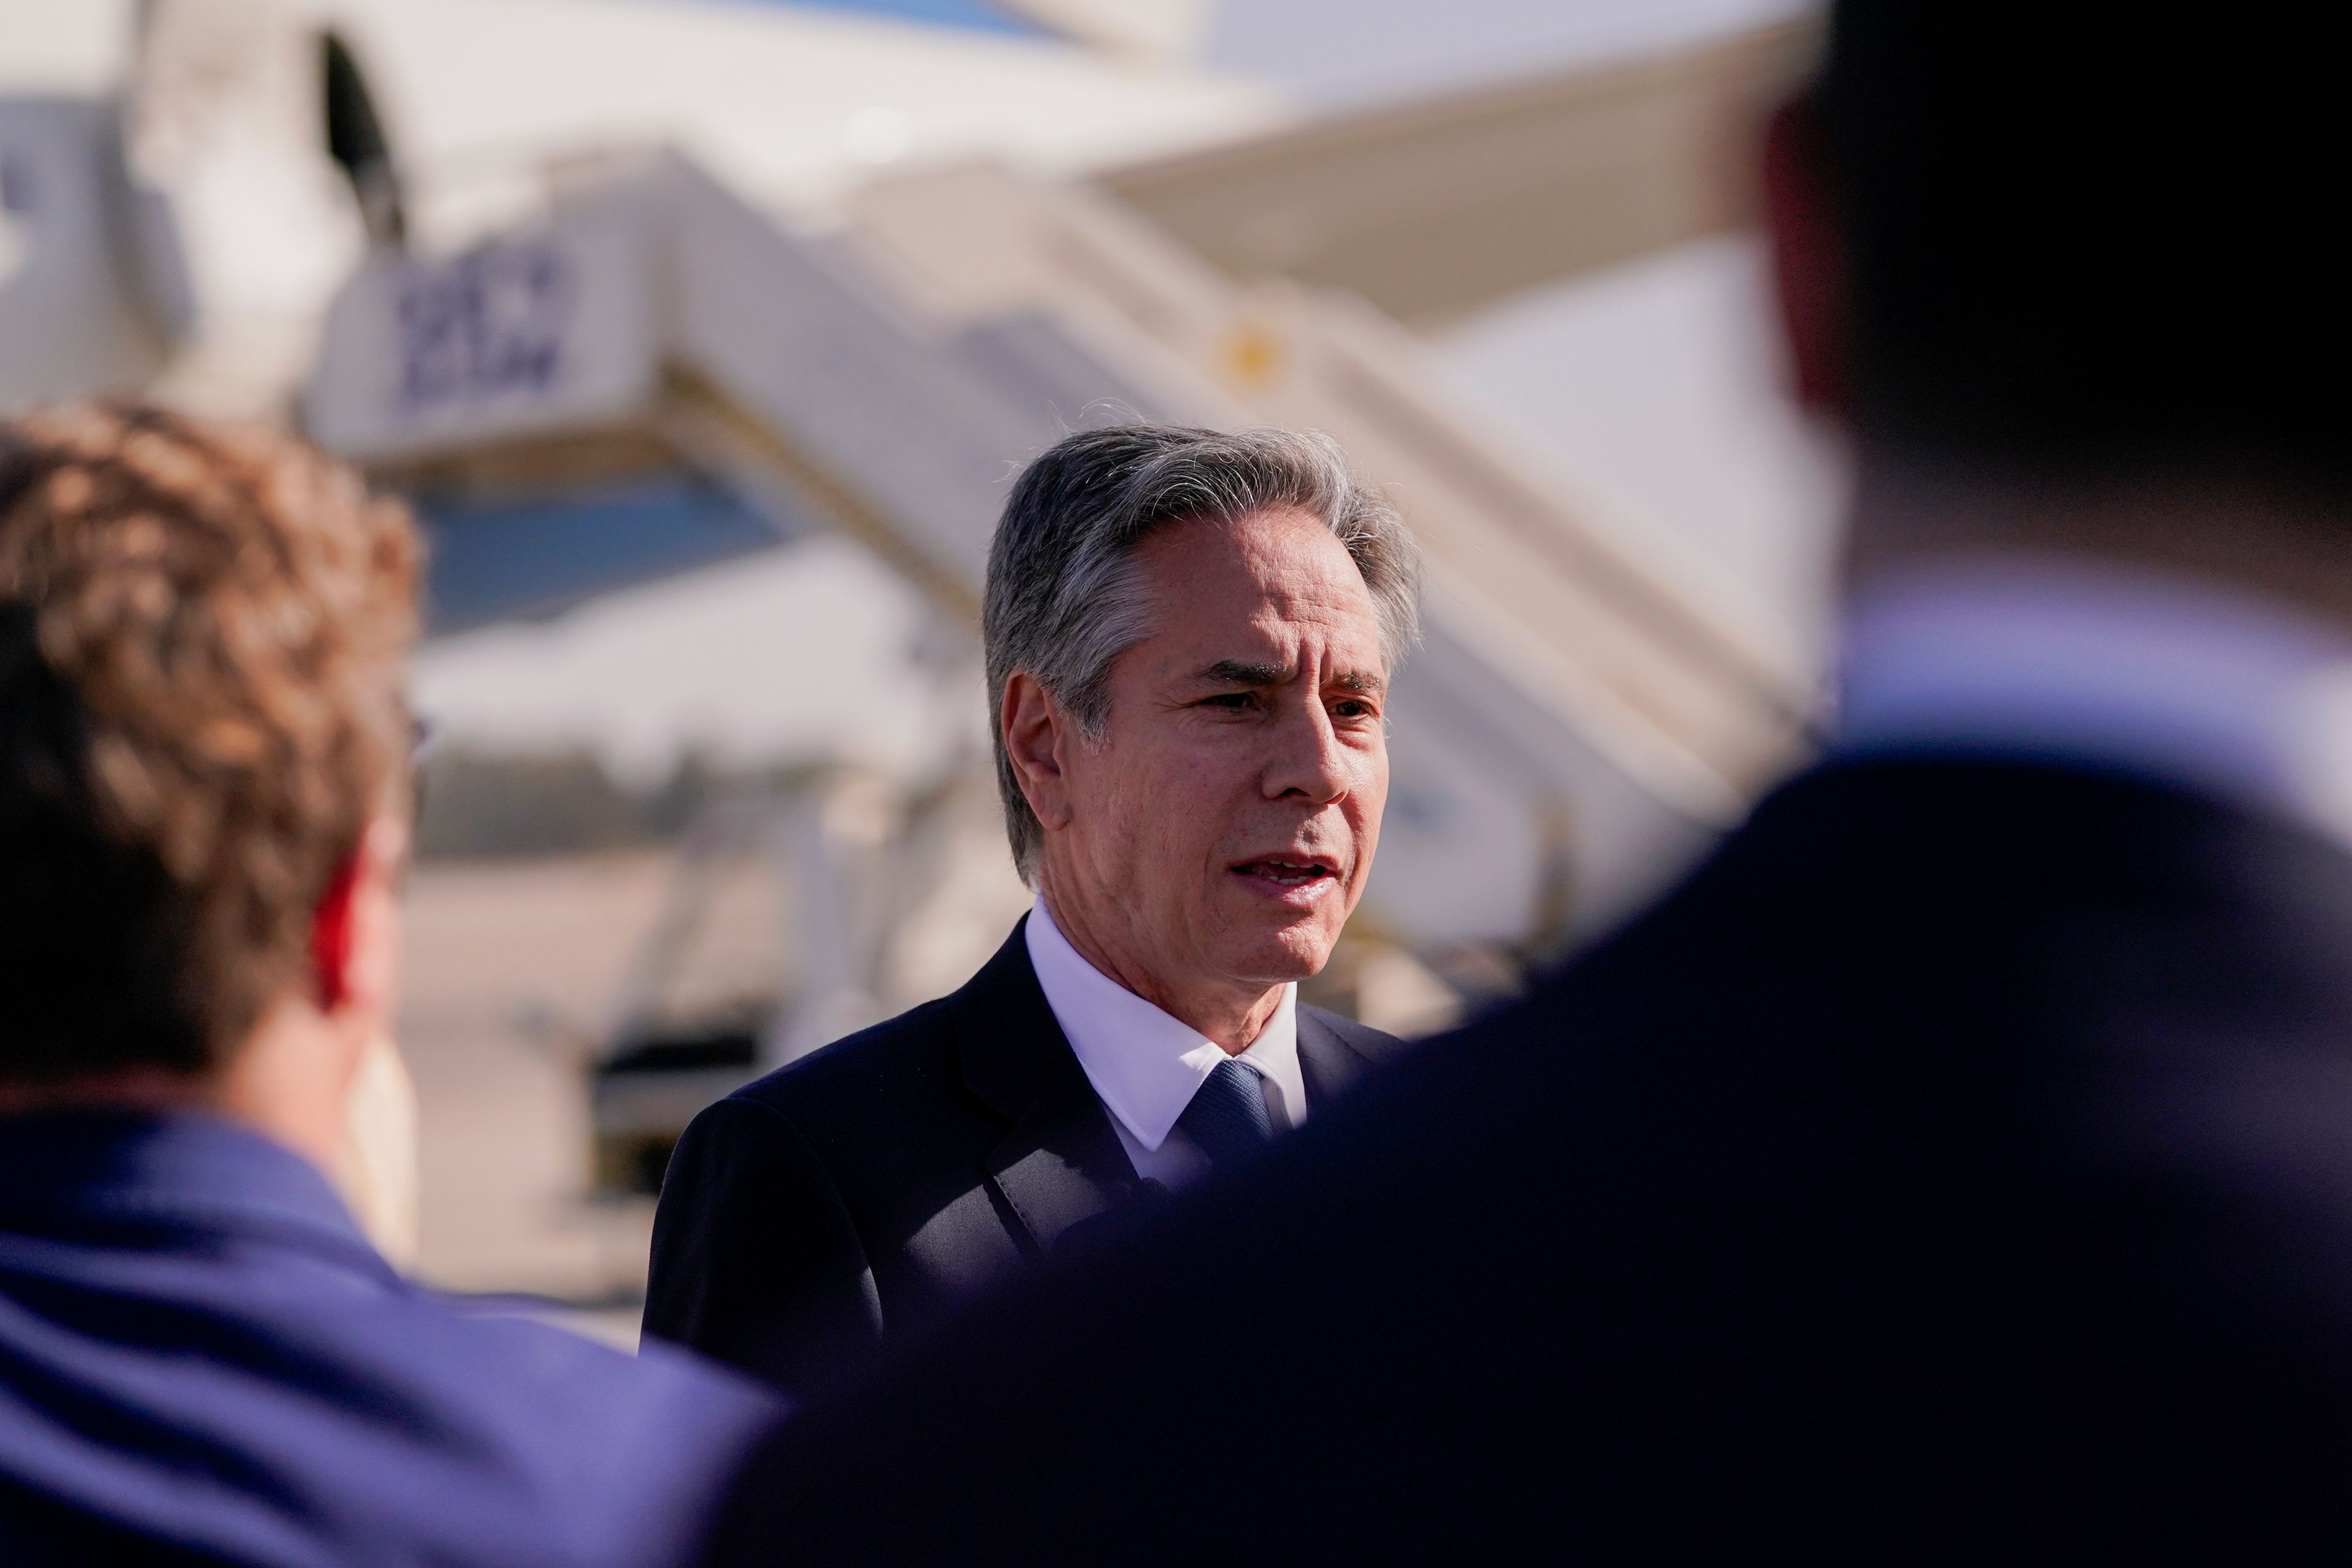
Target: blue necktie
x,y
1228,1119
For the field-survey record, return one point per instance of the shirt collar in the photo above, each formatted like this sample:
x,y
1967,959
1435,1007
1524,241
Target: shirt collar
x,y
1145,1065
185,1170
2185,682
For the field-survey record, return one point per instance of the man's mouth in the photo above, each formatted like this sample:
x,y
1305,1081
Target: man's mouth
x,y
1289,871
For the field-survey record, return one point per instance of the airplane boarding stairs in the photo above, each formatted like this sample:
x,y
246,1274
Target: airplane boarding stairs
x,y
1584,713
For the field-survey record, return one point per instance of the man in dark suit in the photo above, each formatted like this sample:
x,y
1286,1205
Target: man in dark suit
x,y
1959,1164
203,760
1189,638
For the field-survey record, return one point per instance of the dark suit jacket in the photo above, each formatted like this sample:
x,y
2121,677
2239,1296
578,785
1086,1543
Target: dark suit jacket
x,y
1959,1165
201,1360
872,1185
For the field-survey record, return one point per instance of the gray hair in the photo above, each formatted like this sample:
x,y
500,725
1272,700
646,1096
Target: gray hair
x,y
1065,599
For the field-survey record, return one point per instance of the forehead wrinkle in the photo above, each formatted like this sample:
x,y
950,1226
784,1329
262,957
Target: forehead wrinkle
x,y
1291,555
1262,585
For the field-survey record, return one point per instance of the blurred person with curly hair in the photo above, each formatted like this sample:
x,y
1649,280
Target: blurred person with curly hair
x,y
203,800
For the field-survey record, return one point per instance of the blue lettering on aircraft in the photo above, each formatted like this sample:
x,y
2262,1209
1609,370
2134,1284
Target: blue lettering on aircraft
x,y
487,325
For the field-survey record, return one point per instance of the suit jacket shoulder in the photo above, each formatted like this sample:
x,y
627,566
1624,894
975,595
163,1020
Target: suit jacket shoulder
x,y
867,1188
874,1096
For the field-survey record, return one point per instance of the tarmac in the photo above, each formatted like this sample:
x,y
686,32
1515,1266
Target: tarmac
x,y
509,967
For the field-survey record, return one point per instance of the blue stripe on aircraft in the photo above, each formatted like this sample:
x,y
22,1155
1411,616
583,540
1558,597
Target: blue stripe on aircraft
x,y
971,16
531,559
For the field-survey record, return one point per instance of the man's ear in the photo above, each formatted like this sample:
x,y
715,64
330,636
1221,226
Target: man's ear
x,y
1036,729
331,936
353,922
1811,274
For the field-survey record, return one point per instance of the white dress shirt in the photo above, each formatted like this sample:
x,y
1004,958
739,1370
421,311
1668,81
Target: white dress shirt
x,y
1146,1066
2183,682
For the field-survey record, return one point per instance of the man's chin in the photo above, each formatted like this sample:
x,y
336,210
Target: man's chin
x,y
1276,953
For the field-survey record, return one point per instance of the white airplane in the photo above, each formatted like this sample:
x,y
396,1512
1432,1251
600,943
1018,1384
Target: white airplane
x,y
535,260
185,170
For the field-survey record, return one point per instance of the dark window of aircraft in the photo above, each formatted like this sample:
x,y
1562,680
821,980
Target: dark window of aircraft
x,y
355,140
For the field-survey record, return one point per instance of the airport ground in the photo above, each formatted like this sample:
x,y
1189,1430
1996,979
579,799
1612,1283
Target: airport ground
x,y
509,965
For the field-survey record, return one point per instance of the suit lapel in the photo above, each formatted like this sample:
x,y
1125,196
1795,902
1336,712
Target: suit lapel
x,y
1056,1173
1059,1164
1327,1061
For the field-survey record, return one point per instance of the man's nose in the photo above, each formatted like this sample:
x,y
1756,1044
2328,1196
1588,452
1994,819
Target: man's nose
x,y
1309,760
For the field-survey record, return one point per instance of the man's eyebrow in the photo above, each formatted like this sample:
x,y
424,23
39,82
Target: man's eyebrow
x,y
1243,672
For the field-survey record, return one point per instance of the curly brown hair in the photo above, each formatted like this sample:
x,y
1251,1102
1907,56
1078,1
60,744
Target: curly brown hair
x,y
202,635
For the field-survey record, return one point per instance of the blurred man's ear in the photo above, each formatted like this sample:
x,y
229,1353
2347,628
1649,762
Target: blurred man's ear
x,y
355,931
292,1078
1809,258
1035,730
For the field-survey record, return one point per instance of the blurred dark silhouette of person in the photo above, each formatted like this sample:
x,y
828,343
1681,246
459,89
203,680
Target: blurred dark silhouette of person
x,y
1958,1163
204,794
1189,637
